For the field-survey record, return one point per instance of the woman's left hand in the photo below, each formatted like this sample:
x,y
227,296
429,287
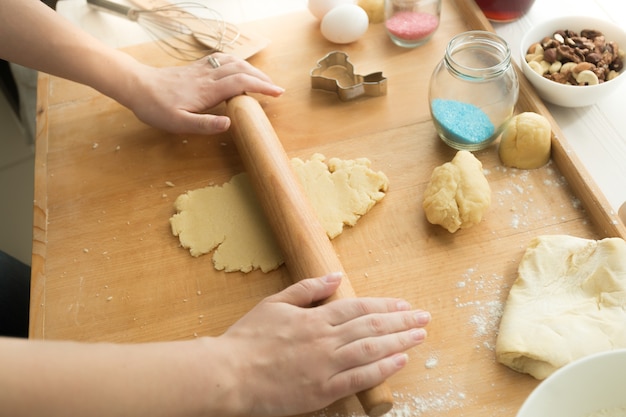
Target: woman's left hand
x,y
177,99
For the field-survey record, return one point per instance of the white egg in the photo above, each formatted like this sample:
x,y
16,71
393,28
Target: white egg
x,y
345,23
319,8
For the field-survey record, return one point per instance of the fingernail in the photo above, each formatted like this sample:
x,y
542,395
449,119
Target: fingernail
x,y
422,317
418,334
221,123
403,305
400,359
332,277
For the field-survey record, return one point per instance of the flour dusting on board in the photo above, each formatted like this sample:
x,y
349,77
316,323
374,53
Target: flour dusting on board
x,y
517,196
481,295
484,315
447,398
410,405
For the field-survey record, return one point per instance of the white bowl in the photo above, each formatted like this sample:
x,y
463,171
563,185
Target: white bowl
x,y
571,95
588,385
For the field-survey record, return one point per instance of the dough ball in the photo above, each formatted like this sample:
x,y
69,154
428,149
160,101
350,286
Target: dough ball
x,y
568,301
458,194
526,141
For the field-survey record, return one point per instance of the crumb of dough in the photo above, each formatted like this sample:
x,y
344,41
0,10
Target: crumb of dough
x,y
458,194
526,141
229,221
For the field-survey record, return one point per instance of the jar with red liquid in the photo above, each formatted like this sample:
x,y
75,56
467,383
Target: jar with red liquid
x,y
504,10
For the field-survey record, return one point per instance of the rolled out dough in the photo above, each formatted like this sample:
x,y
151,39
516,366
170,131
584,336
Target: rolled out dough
x,y
568,301
229,219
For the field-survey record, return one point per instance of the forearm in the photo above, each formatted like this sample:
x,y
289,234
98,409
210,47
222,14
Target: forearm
x,y
35,36
159,379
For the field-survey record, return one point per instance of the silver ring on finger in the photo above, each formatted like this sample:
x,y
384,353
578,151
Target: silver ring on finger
x,y
213,61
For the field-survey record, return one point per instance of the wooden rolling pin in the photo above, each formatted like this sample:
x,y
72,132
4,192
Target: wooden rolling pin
x,y
306,247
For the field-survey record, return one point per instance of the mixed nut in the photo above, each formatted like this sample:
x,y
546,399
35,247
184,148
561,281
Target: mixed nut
x,y
584,58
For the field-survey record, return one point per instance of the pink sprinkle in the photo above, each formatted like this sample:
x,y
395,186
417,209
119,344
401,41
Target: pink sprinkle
x,y
412,25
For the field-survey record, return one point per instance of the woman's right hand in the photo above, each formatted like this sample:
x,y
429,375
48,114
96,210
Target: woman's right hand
x,y
292,358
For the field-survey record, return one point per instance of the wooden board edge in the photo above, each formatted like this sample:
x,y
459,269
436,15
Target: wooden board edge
x,y
583,186
40,212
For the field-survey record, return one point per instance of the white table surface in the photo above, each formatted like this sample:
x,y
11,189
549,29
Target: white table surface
x,y
596,133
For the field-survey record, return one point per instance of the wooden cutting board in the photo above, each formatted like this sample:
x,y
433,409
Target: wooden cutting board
x,y
107,268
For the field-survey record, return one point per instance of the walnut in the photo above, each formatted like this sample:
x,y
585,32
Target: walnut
x,y
614,48
600,72
599,42
548,43
559,77
593,57
590,33
566,53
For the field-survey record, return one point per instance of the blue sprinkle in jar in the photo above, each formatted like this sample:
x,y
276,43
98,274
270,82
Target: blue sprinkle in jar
x,y
473,90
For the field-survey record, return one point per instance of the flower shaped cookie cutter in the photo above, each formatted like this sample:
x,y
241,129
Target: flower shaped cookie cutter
x,y
335,73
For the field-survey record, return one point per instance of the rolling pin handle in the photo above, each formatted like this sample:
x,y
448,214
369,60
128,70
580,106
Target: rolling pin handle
x,y
377,401
306,247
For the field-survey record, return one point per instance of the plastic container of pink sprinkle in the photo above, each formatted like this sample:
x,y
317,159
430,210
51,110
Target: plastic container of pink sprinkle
x,y
411,23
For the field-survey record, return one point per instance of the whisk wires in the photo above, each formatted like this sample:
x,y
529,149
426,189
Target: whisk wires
x,y
186,30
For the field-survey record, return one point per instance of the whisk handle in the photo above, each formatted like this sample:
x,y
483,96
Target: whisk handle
x,y
115,8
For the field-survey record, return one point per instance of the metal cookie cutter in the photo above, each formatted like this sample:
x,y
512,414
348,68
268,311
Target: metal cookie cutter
x,y
335,73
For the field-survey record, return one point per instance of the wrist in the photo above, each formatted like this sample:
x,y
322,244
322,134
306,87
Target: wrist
x,y
122,80
225,393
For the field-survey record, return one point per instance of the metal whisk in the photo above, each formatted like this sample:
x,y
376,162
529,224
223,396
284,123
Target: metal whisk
x,y
186,31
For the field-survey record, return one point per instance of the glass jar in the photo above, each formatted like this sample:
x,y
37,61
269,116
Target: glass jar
x,y
504,10
473,90
411,23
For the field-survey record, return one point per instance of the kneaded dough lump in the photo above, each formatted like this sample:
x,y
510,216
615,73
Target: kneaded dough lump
x,y
568,301
229,219
458,194
526,141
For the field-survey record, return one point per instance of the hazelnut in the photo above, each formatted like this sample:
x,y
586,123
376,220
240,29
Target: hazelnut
x,y
550,55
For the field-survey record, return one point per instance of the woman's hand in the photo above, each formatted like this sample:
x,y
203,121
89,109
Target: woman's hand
x,y
173,98
177,98
291,358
